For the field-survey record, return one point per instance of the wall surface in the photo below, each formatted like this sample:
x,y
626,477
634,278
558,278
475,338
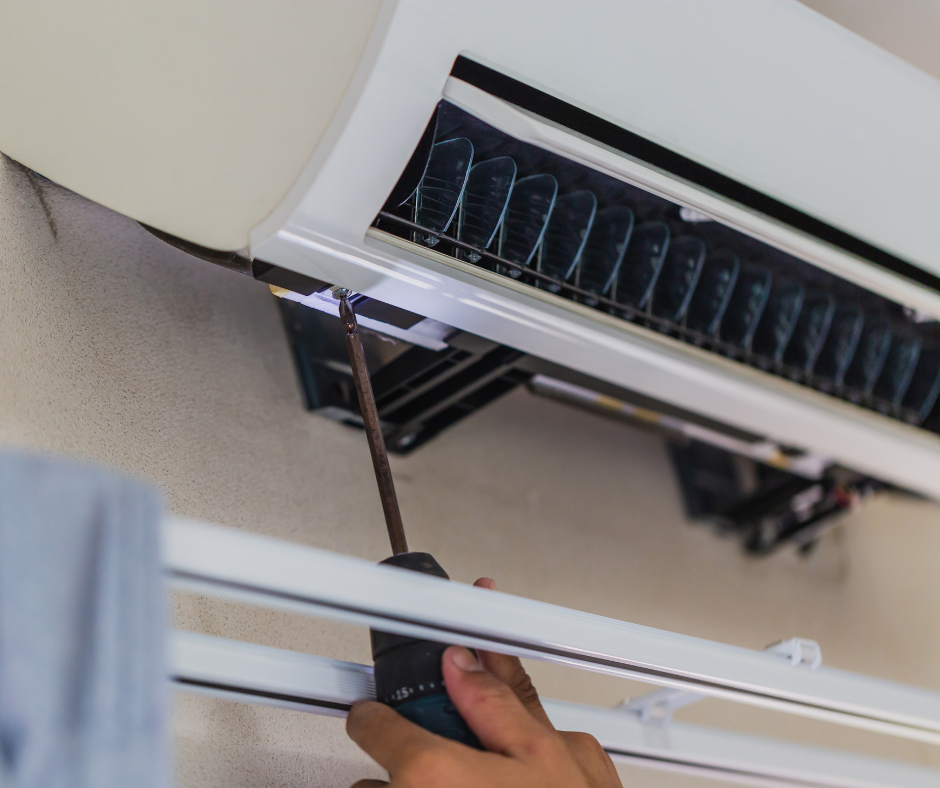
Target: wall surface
x,y
907,29
118,348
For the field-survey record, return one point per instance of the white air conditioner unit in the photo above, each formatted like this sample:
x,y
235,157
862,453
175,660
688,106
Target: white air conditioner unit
x,y
795,150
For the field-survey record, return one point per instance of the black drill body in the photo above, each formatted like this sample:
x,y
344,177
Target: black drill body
x,y
408,670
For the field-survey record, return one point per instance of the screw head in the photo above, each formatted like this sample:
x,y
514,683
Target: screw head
x,y
341,292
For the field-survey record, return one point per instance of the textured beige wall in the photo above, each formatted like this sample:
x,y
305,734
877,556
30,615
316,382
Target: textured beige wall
x,y
121,349
906,28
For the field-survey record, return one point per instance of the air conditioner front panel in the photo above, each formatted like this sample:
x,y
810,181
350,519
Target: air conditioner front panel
x,y
194,117
329,235
770,94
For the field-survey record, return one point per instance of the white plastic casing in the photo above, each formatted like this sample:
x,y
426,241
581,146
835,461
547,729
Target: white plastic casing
x,y
770,94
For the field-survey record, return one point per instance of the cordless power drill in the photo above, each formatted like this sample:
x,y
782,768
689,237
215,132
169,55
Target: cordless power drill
x,y
408,673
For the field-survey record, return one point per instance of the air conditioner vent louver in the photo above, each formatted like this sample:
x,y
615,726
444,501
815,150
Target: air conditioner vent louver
x,y
562,227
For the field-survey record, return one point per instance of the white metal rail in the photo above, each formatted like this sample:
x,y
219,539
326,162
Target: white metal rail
x,y
250,673
225,562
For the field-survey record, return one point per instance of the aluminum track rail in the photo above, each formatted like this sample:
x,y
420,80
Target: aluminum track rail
x,y
249,673
224,562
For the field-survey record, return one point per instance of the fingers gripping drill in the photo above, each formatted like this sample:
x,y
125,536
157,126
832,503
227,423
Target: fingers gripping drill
x,y
407,670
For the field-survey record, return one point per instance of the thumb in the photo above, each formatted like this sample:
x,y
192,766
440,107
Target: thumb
x,y
490,708
509,670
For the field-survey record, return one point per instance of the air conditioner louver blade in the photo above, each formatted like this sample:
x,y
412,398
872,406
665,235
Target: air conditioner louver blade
x,y
925,387
713,294
485,197
417,166
776,327
603,253
898,371
869,359
565,236
642,264
811,331
678,278
748,302
442,186
840,347
527,215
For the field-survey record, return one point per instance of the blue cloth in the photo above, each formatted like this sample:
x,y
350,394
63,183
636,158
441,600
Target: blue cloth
x,y
82,625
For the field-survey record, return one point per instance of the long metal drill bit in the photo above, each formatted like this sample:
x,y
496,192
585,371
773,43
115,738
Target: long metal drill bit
x,y
370,418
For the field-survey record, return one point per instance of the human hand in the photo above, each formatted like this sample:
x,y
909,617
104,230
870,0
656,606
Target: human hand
x,y
496,697
594,763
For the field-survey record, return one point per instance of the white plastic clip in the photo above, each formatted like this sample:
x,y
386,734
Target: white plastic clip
x,y
798,652
657,707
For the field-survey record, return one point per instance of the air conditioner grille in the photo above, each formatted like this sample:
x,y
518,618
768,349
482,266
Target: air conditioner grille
x,y
589,238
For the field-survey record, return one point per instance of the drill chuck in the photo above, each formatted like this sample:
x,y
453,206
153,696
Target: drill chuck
x,y
408,670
